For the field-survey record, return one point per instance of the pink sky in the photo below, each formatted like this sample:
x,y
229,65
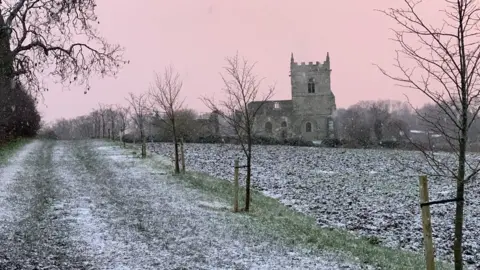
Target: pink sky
x,y
196,36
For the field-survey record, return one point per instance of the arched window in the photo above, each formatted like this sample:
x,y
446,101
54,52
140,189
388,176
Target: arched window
x,y
311,85
308,127
268,127
284,124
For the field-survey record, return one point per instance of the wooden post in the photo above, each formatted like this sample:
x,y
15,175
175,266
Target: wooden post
x,y
235,187
427,224
182,155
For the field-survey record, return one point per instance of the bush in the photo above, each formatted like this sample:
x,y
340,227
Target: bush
x,y
331,142
129,138
298,142
48,134
263,140
390,144
19,116
210,139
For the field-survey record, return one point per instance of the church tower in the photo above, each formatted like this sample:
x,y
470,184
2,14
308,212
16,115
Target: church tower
x,y
312,98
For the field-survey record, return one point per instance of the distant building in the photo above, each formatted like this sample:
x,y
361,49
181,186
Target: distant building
x,y
308,114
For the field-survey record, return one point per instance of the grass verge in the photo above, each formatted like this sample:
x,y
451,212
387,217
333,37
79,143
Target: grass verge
x,y
274,219
8,149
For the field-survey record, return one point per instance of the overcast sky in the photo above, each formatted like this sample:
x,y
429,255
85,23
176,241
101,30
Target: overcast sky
x,y
196,35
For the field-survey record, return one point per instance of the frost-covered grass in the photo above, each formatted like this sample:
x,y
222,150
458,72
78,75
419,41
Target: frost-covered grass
x,y
279,221
7,149
92,205
296,229
372,193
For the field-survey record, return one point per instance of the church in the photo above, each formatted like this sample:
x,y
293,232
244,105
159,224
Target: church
x,y
308,115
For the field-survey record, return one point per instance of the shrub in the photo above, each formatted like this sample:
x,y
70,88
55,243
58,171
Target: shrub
x,y
298,142
210,139
263,140
48,134
331,142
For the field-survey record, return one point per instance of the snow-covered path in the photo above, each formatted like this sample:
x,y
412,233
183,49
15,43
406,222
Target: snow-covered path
x,y
88,205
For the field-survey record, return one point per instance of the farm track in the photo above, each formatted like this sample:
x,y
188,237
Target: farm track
x,y
87,205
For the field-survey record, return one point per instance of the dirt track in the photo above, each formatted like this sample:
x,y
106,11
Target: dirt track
x,y
88,205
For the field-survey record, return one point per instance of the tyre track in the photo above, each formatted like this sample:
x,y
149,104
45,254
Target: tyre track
x,y
40,236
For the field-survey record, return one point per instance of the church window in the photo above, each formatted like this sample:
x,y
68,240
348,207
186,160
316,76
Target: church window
x,y
311,85
308,127
276,105
268,127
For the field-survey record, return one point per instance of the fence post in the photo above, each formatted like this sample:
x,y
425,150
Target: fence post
x,y
427,224
235,187
182,151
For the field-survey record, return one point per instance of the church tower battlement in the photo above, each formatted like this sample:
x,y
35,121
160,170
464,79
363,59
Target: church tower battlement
x,y
311,88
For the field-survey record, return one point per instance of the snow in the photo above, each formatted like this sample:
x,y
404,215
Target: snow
x,y
368,192
7,176
205,229
91,205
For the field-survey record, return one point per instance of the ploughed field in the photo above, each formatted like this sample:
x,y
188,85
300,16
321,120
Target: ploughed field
x,y
373,193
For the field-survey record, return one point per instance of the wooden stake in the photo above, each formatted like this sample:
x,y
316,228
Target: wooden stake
x,y
182,155
427,224
235,187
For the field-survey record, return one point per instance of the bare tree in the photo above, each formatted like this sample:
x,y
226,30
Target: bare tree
x,y
242,88
444,67
356,126
112,115
123,113
140,111
103,111
97,120
380,114
165,96
44,37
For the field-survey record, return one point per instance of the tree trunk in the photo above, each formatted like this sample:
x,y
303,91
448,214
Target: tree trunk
x,y
144,144
103,127
113,130
249,172
457,245
6,61
175,141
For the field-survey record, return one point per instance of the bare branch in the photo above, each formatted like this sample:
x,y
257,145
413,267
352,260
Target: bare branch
x,y
58,39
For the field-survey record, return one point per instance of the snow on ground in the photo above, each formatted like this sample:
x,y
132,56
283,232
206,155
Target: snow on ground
x,y
369,192
198,236
86,205
8,172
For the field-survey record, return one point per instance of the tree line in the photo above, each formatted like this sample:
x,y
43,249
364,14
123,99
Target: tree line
x,y
392,123
160,114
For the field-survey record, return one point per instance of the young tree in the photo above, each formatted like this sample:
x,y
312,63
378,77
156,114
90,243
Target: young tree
x,y
112,115
96,118
356,126
242,88
444,67
123,113
140,111
103,110
165,95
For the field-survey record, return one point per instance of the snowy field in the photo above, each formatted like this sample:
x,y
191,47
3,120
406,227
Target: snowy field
x,y
368,192
90,205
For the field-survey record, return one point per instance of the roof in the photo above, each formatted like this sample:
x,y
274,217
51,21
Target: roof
x,y
270,101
